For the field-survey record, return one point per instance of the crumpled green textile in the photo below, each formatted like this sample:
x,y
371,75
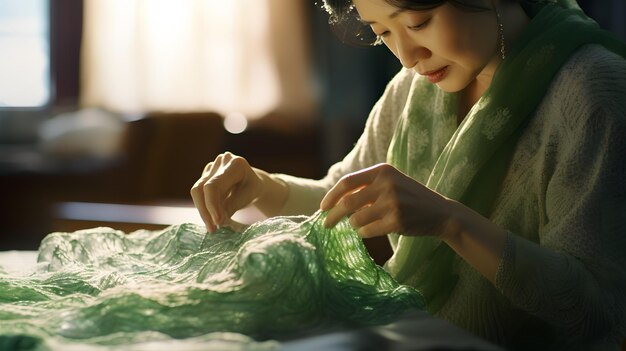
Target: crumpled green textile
x,y
280,278
468,163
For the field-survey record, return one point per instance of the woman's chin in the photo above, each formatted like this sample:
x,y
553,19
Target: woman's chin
x,y
449,86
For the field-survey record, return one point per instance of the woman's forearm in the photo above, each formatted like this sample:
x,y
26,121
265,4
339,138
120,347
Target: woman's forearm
x,y
477,240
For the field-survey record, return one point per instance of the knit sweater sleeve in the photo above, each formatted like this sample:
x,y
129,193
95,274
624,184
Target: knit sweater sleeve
x,y
575,276
371,148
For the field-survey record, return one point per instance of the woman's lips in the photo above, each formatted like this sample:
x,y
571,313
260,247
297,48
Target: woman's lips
x,y
437,75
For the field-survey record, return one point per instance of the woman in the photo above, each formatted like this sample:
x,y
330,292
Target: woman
x,y
495,161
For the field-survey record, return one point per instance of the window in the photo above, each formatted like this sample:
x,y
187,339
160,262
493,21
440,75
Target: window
x,y
25,58
231,56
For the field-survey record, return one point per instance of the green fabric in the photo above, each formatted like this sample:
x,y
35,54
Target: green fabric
x,y
468,163
280,278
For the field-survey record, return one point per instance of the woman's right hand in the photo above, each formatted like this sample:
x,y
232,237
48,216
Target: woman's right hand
x,y
227,184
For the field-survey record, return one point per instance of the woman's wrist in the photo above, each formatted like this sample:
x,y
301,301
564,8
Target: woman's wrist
x,y
477,240
273,194
452,226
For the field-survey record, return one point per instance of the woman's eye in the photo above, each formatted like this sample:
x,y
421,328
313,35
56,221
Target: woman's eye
x,y
420,26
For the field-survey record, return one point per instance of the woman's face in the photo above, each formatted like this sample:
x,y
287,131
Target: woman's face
x,y
449,45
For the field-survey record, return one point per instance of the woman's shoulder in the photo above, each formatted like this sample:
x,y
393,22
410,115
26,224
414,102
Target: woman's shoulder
x,y
595,55
585,104
589,87
593,75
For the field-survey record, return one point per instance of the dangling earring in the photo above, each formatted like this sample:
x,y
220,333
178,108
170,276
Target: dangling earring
x,y
501,29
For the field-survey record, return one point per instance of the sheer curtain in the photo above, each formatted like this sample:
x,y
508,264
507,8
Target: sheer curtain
x,y
246,56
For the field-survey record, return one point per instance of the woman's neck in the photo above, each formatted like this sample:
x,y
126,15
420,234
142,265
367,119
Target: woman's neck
x,y
514,20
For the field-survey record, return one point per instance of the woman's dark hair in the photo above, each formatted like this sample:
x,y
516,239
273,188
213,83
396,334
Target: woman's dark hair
x,y
348,27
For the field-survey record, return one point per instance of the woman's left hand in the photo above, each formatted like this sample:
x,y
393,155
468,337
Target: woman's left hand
x,y
380,200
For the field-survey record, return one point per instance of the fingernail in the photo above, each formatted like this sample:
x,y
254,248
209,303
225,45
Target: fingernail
x,y
213,227
323,204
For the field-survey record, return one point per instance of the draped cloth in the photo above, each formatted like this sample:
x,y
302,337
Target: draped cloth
x,y
468,163
182,288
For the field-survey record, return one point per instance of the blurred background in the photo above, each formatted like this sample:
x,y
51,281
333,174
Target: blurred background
x,y
109,109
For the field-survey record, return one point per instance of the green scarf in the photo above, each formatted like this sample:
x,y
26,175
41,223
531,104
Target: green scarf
x,y
468,163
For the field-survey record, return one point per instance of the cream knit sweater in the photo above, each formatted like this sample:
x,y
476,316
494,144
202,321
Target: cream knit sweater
x,y
561,283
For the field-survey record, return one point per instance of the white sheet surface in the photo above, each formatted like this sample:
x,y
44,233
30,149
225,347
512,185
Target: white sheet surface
x,y
18,262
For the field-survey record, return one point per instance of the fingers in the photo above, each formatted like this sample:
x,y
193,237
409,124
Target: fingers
x,y
352,202
348,184
238,199
375,220
377,228
371,220
353,192
220,179
198,201
371,199
218,188
366,215
208,206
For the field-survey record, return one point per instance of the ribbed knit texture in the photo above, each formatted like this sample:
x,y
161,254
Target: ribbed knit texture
x,y
561,283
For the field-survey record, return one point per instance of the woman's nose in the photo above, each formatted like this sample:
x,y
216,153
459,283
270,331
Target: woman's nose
x,y
409,52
